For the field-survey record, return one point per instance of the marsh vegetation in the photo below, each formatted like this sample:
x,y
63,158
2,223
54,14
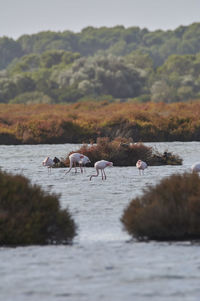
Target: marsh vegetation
x,y
31,216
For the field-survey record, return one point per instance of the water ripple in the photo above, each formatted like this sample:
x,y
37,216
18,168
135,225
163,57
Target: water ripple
x,y
104,263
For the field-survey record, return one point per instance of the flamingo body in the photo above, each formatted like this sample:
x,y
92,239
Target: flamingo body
x,y
141,165
48,162
85,160
196,167
101,165
77,158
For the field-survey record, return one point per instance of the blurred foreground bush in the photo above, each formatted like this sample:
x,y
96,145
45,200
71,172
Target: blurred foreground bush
x,y
168,211
28,215
122,152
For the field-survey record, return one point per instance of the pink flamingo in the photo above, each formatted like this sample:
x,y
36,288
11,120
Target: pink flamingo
x,y
84,161
195,167
48,162
77,158
101,165
141,165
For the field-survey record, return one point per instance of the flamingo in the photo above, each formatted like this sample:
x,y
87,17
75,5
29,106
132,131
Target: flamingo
x,y
77,158
84,161
195,167
48,162
141,165
100,165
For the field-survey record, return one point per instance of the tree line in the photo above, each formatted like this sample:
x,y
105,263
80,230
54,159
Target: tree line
x,y
101,63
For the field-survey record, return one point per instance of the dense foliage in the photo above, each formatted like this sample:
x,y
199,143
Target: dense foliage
x,y
117,40
122,152
28,215
86,121
101,63
168,211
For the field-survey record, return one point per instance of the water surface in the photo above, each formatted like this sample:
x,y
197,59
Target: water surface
x,y
103,263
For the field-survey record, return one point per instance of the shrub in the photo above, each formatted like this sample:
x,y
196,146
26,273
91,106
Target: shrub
x,y
168,211
28,215
122,152
85,121
31,98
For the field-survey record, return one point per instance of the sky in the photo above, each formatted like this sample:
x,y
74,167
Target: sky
x,y
18,17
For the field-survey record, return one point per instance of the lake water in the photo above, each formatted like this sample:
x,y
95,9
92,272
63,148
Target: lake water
x,y
103,263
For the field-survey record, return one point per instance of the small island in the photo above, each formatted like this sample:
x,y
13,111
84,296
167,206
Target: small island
x,y
122,152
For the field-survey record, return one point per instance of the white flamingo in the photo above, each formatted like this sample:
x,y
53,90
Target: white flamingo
x,y
141,165
49,163
101,165
85,160
195,167
77,158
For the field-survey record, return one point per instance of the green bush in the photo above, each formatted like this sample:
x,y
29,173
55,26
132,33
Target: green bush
x,y
28,215
168,211
31,98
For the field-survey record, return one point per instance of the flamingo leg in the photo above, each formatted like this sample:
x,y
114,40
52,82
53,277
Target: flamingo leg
x,y
71,165
95,175
104,174
75,167
81,168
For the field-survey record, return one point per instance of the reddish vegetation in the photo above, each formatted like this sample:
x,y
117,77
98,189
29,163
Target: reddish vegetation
x,y
88,120
168,211
30,216
123,153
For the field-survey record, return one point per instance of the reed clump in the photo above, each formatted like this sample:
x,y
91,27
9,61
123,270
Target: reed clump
x,y
167,212
30,216
122,152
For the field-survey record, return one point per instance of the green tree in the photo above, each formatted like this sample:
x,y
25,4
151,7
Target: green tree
x,y
9,49
103,75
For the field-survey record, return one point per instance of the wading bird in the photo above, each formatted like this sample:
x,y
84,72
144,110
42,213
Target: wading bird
x,y
48,162
141,165
56,160
101,165
85,160
195,167
77,158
